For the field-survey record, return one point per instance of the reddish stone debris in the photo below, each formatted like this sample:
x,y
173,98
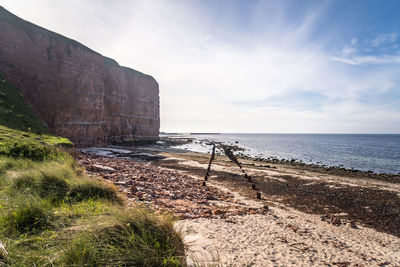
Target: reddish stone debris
x,y
166,190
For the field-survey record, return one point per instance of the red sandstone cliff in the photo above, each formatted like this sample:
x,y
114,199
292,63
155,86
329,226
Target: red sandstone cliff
x,y
76,91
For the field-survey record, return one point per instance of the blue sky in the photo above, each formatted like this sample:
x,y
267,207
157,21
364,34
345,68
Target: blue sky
x,y
246,65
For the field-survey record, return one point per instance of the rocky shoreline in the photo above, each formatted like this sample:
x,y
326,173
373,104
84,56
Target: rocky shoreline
x,y
166,190
305,217
335,170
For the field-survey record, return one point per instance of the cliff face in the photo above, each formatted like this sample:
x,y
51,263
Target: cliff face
x,y
77,92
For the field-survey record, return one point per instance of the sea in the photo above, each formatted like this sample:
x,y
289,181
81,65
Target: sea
x,y
379,153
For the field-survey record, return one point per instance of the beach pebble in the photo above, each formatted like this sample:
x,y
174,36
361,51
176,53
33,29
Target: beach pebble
x,y
166,189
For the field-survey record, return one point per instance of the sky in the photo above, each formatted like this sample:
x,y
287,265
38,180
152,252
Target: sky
x,y
248,66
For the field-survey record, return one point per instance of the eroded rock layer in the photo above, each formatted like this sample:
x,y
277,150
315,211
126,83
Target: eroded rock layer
x,y
77,92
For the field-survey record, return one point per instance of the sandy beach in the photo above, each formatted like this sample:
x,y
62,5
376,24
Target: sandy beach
x,y
286,238
305,217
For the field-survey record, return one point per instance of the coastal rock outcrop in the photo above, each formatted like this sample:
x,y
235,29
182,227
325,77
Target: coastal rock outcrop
x,y
76,91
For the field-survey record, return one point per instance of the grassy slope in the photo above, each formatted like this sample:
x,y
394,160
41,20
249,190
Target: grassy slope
x,y
15,113
21,133
53,214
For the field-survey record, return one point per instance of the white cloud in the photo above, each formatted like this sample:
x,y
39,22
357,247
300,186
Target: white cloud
x,y
348,50
351,54
384,38
361,60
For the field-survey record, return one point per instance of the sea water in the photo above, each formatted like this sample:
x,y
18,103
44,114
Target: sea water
x,y
379,153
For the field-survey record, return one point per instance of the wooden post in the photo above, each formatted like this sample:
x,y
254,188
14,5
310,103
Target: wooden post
x,y
209,164
233,158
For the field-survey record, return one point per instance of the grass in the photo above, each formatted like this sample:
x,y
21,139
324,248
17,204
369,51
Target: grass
x,y
53,214
15,113
92,190
26,217
22,134
140,232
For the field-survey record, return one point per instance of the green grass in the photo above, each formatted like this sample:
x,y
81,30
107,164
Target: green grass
x,y
26,217
19,144
15,113
22,134
53,214
140,232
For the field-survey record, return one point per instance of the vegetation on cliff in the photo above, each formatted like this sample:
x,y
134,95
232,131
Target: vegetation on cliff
x,y
53,214
22,134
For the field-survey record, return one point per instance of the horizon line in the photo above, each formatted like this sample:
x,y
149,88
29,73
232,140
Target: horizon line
x,y
209,133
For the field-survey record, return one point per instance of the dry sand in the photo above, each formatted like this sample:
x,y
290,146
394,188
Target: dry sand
x,y
286,237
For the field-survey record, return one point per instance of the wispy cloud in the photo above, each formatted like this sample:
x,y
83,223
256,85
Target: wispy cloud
x,y
384,39
373,51
361,60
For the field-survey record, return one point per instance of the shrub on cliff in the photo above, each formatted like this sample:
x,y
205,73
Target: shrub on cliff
x,y
22,134
15,113
31,150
